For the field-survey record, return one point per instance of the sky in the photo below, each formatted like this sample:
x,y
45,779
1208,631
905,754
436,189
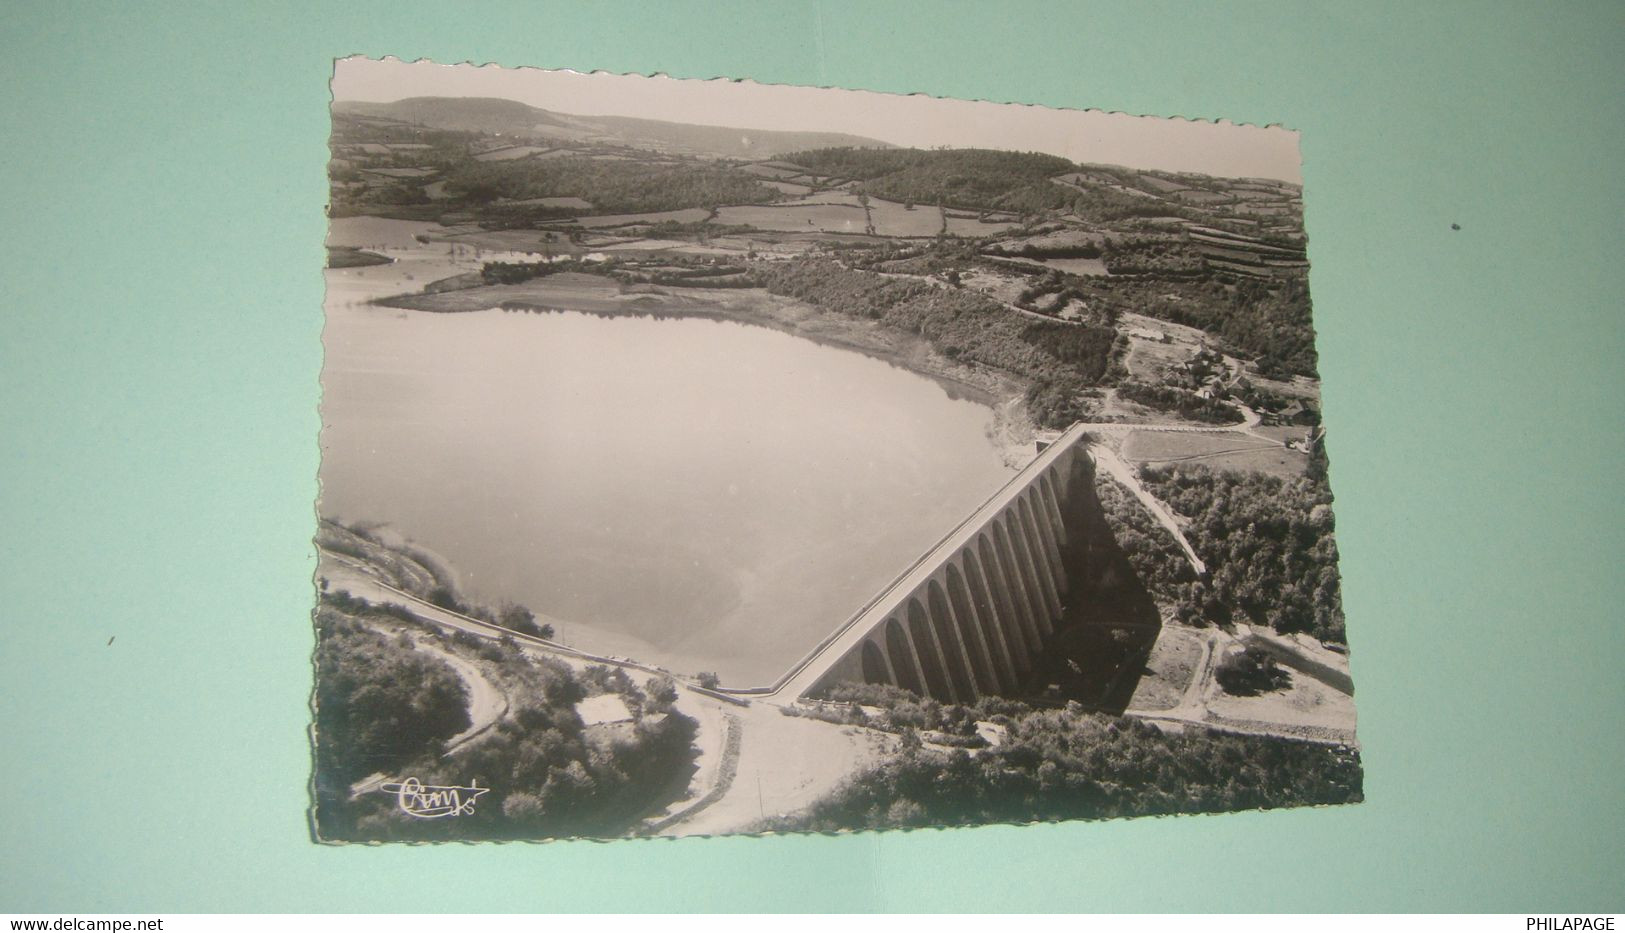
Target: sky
x,y
1169,144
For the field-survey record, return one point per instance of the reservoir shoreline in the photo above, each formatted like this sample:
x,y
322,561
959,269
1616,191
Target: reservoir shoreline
x,y
519,494
360,320
595,294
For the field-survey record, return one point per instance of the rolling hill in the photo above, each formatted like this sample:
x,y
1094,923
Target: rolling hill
x,y
511,118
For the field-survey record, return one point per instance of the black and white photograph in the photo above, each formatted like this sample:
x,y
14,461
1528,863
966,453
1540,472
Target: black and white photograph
x,y
711,457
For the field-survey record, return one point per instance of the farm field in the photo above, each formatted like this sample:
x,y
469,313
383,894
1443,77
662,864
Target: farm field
x,y
1002,286
1304,702
560,153
1271,461
1296,387
379,232
645,246
1135,192
517,241
1148,360
827,218
1072,266
772,170
790,188
1055,239
1161,184
689,215
1077,266
1285,433
822,213
1169,446
512,152
1227,451
397,172
574,203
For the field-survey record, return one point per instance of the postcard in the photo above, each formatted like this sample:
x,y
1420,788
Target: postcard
x,y
709,457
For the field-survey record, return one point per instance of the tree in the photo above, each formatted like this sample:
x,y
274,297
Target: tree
x,y
520,619
662,693
443,597
1249,672
379,703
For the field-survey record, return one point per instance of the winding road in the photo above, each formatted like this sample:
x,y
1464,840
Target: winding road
x,y
752,760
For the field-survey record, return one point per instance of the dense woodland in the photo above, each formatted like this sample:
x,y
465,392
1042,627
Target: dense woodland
x,y
979,180
382,706
1269,545
1152,553
1268,321
379,703
1068,764
973,179
613,187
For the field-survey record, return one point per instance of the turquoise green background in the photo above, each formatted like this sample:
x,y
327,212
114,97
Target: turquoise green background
x,y
159,357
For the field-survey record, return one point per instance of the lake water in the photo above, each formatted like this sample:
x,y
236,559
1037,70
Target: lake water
x,y
705,495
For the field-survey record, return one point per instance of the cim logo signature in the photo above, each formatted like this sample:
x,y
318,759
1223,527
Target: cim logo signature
x,y
431,802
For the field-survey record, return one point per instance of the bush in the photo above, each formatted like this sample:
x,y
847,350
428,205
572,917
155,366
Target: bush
x,y
446,599
1250,672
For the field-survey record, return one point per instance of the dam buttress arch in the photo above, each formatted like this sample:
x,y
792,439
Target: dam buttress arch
x,y
970,616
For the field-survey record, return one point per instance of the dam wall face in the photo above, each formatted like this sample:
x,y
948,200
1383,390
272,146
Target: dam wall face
x,y
971,616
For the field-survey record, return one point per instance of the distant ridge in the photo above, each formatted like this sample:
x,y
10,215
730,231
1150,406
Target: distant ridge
x,y
499,116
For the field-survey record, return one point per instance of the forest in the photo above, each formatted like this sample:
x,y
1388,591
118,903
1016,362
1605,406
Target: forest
x,y
1151,551
1057,764
972,179
382,706
613,187
982,180
1270,544
1268,321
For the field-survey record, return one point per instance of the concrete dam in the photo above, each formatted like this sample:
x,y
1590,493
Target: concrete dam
x,y
971,615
